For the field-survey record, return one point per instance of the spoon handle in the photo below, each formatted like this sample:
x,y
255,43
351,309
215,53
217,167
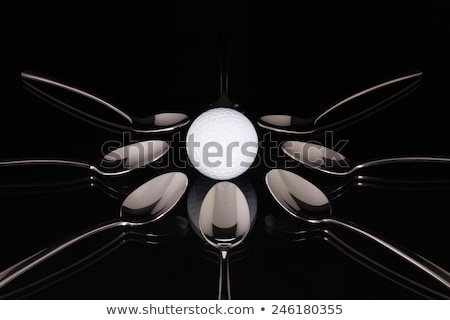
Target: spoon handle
x,y
29,77
224,276
380,268
28,162
224,51
8,275
63,272
399,160
420,262
381,100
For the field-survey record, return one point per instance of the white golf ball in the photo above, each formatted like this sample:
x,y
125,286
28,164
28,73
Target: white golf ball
x,y
222,143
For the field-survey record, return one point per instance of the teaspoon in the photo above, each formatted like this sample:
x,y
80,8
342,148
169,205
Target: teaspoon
x,y
114,190
303,200
117,162
146,204
302,126
331,162
160,122
283,227
224,223
170,229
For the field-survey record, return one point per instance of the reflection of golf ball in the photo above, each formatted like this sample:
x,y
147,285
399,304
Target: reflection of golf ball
x,y
222,143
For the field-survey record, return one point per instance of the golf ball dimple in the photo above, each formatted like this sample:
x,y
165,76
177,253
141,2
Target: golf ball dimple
x,y
222,143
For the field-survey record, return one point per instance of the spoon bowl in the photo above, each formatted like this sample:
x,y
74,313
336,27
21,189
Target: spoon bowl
x,y
200,187
303,200
224,216
146,204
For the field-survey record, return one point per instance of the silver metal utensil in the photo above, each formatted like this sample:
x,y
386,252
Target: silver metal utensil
x,y
292,124
156,123
117,162
224,223
331,162
303,200
146,204
224,51
168,230
289,229
197,193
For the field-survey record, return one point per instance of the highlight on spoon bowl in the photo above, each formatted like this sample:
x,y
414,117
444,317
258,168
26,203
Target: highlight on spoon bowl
x,y
316,156
296,194
155,198
134,156
224,216
197,193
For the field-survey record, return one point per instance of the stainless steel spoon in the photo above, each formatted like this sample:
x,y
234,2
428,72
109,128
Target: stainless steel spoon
x,y
117,162
302,126
148,203
224,223
224,50
283,227
114,189
333,163
170,229
160,122
304,201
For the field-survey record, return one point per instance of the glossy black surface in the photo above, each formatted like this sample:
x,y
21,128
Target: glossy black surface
x,y
296,60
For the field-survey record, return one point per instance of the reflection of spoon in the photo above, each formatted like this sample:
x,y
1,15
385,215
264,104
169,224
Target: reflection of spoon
x,y
148,203
285,228
169,230
297,125
224,223
303,200
334,163
200,187
159,122
117,162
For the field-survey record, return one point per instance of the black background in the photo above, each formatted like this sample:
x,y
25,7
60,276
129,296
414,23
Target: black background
x,y
285,58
